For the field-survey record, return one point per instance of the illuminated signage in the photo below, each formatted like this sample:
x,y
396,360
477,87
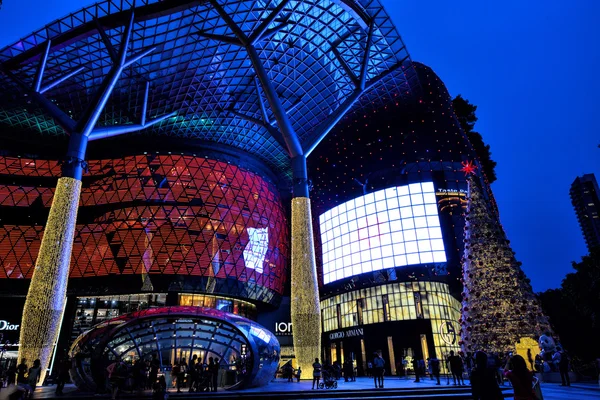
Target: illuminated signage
x,y
7,326
389,228
452,192
357,332
283,328
448,333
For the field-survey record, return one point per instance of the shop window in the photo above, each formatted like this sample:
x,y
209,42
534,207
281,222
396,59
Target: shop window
x,y
386,307
359,310
418,305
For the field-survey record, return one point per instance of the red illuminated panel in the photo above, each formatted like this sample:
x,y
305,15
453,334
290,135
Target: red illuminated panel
x,y
169,214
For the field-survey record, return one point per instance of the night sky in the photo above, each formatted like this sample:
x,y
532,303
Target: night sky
x,y
532,70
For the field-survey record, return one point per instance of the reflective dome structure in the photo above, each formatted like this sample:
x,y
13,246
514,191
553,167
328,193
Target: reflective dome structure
x,y
248,353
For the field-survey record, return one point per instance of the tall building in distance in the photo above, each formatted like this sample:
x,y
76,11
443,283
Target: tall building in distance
x,y
585,197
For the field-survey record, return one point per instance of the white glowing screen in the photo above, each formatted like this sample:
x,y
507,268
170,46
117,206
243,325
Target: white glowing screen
x,y
256,249
385,229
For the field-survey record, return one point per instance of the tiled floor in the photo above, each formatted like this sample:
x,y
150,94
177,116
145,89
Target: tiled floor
x,y
551,391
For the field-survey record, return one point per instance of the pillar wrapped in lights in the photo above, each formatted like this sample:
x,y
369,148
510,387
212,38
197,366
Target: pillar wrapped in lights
x,y
45,302
306,311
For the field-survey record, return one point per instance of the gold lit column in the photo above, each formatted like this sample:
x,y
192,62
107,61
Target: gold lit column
x,y
45,302
306,310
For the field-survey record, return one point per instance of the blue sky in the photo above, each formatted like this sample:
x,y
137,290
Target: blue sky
x,y
532,69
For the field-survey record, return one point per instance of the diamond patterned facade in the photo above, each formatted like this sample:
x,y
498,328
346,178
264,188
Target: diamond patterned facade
x,y
312,51
158,215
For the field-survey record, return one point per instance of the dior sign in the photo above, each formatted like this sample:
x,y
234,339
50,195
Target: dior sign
x,y
7,326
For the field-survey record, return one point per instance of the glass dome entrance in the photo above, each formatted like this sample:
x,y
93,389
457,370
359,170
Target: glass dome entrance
x,y
247,354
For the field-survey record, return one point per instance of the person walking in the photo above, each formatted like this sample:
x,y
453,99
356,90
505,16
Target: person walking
x,y
563,367
456,367
434,365
317,367
154,367
181,375
11,374
378,370
117,374
484,385
520,377
193,373
159,389
215,374
64,366
21,371
33,377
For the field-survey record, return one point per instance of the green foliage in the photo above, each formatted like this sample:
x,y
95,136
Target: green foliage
x,y
574,309
465,112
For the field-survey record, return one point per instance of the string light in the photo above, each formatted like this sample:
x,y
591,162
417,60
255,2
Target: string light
x,y
499,308
305,307
45,301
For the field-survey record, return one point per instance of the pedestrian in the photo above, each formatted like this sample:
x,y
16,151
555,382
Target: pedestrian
x,y
298,374
193,373
154,367
348,370
11,374
415,365
317,367
117,374
563,367
215,374
21,371
520,377
456,367
434,365
159,389
378,370
64,365
484,385
181,375
33,377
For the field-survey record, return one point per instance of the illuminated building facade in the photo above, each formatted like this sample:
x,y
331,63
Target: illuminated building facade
x,y
390,194
585,197
252,87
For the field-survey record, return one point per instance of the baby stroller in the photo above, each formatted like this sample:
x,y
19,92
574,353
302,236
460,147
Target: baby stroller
x,y
328,381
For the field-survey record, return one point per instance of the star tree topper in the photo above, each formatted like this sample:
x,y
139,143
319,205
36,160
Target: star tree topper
x,y
468,167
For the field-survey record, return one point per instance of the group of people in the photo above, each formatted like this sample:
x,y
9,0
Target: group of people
x,y
21,380
197,376
484,382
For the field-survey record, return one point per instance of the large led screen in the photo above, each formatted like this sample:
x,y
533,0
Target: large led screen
x,y
389,228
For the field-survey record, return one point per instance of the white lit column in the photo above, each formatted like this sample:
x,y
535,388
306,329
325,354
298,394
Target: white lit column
x,y
46,298
306,311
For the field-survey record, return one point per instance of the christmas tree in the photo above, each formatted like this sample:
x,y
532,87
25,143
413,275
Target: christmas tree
x,y
499,307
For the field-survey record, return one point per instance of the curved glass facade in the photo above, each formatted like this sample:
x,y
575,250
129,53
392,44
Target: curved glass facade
x,y
154,215
403,301
248,353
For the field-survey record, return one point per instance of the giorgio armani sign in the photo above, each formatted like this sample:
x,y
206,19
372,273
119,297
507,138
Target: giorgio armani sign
x,y
357,332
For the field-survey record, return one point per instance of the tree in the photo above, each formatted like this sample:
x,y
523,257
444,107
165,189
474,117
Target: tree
x,y
499,307
465,113
574,309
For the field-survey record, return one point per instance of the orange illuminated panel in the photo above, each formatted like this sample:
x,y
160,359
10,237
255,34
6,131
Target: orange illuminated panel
x,y
161,214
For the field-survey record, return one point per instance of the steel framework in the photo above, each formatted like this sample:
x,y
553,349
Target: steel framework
x,y
268,77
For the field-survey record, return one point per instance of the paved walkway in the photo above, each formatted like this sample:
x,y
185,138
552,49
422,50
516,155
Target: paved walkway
x,y
551,391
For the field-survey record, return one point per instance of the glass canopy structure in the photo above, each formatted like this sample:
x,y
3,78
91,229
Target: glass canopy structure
x,y
248,354
312,52
268,78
